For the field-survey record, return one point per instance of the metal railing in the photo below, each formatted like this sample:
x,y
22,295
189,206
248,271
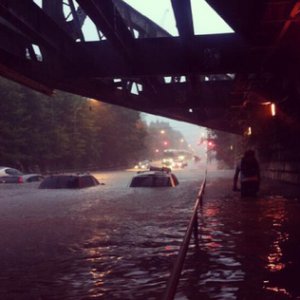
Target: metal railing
x,y
193,224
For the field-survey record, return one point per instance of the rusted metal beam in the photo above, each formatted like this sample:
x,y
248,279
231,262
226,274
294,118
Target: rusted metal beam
x,y
211,55
108,19
243,17
54,9
153,104
279,52
13,41
16,51
184,19
144,25
12,74
294,13
213,94
25,72
77,21
38,27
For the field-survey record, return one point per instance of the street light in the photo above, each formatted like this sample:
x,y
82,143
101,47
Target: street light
x,y
273,109
248,131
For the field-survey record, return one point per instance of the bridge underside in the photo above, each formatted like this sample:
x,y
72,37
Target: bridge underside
x,y
218,81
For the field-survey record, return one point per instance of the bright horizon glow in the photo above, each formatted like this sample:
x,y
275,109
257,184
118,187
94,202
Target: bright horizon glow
x,y
205,19
191,132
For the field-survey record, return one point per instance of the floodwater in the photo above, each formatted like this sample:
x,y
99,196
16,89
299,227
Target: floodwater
x,y
115,242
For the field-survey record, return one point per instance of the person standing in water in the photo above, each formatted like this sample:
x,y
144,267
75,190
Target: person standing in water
x,y
249,173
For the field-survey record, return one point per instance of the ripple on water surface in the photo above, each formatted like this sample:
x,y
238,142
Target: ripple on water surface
x,y
113,242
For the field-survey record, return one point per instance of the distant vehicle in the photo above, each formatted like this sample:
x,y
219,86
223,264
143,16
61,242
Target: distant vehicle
x,y
178,154
174,163
155,177
179,164
145,164
7,171
21,178
11,175
167,162
176,158
63,181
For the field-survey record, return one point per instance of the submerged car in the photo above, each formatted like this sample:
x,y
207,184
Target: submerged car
x,y
11,175
21,178
155,177
7,171
64,181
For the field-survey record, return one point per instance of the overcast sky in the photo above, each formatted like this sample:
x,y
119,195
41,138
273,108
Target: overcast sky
x,y
192,133
206,21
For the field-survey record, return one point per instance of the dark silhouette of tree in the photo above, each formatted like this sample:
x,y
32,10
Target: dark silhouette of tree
x,y
225,147
65,131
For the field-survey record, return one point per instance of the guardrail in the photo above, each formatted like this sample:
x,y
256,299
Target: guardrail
x,y
193,224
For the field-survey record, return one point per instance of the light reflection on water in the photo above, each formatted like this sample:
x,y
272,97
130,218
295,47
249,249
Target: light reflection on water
x,y
113,242
247,250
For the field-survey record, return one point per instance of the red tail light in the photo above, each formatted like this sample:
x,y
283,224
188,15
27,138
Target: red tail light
x,y
20,180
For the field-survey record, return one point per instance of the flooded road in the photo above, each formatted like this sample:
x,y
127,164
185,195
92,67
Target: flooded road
x,y
248,248
116,242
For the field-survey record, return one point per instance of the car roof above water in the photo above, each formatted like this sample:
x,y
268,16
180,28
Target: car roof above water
x,y
64,181
9,171
158,177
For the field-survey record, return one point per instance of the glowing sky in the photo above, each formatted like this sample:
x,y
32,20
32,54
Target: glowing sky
x,y
205,19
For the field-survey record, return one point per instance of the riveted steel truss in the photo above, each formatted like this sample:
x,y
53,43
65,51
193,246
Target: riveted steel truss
x,y
133,62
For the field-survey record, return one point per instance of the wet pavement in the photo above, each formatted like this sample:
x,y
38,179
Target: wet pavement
x,y
116,242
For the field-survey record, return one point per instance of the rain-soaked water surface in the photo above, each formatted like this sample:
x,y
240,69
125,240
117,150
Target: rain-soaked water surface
x,y
116,242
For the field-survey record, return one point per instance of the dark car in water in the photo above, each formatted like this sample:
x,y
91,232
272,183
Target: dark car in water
x,y
155,177
65,181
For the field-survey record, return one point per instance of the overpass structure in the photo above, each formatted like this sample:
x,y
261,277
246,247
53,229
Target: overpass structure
x,y
220,81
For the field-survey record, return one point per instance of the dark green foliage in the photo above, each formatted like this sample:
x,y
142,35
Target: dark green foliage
x,y
226,147
65,131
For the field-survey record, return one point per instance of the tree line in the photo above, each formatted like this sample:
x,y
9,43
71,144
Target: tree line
x,y
68,132
65,131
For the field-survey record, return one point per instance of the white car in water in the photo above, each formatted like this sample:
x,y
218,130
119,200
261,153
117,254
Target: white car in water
x,y
6,171
155,177
11,175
